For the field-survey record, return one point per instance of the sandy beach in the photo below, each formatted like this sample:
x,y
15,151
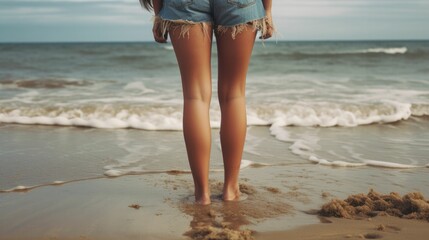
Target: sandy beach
x,y
157,205
374,228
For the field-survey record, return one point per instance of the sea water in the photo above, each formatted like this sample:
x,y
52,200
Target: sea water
x,y
334,103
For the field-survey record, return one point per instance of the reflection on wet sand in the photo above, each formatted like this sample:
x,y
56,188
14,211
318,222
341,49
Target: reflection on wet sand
x,y
229,220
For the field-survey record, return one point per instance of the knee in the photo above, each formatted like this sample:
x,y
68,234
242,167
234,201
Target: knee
x,y
201,95
228,96
231,89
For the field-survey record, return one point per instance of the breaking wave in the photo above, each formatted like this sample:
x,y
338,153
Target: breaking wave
x,y
162,117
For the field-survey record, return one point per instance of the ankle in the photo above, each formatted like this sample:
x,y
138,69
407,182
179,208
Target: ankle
x,y
231,192
202,198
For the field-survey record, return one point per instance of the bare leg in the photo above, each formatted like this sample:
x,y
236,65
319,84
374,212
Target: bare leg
x,y
234,57
194,58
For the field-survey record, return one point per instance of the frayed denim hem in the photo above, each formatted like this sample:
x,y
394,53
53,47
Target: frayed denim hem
x,y
184,26
261,25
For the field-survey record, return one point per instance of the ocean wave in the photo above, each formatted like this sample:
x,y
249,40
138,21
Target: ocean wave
x,y
400,50
168,47
138,86
369,52
97,116
130,58
332,114
44,83
162,117
420,110
370,163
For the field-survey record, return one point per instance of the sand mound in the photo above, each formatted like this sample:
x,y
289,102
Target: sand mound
x,y
410,206
216,233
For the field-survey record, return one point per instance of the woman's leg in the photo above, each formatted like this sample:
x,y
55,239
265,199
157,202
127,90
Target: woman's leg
x,y
193,53
234,57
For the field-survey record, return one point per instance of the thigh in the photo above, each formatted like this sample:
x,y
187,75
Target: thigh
x,y
193,53
234,58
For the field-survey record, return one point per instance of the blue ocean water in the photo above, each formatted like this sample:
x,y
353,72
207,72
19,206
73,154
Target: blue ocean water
x,y
311,83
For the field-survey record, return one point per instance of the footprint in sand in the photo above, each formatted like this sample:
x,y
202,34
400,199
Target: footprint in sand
x,y
394,228
372,236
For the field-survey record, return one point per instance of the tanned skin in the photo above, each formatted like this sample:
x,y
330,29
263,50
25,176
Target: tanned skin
x,y
193,55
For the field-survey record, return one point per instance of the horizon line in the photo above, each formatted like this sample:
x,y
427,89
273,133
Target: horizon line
x,y
271,40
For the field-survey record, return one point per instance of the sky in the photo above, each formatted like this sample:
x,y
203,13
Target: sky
x,y
125,20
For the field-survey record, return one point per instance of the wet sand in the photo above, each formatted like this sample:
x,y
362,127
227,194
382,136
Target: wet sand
x,y
384,227
151,206
157,206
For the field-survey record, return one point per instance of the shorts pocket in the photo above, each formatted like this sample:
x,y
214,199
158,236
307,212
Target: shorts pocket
x,y
180,3
242,3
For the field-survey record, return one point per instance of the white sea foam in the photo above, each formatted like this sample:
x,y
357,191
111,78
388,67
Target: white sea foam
x,y
158,119
400,50
138,86
325,162
129,171
383,50
305,145
395,50
18,188
302,147
372,163
245,163
155,116
420,109
58,182
332,114
169,47
387,164
114,173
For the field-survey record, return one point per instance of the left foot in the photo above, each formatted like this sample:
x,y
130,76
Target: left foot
x,y
204,199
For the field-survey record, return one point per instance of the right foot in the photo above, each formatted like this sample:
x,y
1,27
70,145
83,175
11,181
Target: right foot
x,y
231,194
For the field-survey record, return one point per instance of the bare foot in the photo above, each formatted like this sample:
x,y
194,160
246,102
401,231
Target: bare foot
x,y
203,200
231,193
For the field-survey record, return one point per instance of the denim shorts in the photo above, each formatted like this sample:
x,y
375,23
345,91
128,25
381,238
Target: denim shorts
x,y
222,14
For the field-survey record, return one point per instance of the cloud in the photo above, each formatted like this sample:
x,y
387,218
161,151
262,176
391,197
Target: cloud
x,y
73,12
122,8
313,8
13,11
349,8
295,19
71,1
